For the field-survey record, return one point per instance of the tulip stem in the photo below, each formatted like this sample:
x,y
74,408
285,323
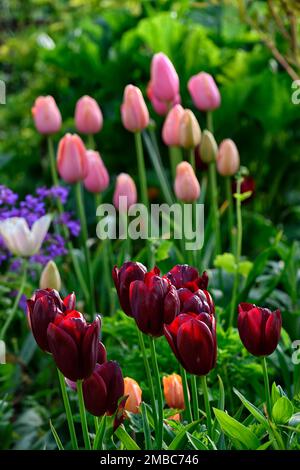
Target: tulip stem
x,y
85,431
91,142
267,386
141,168
230,213
175,158
238,252
68,410
84,231
207,405
149,376
52,161
186,395
192,159
195,397
160,424
16,303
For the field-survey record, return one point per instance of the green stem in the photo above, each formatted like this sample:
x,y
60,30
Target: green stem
x,y
52,161
146,427
267,386
91,142
68,410
209,121
215,208
107,273
141,168
175,158
84,231
238,252
85,431
192,159
16,303
186,395
230,213
207,405
160,424
195,397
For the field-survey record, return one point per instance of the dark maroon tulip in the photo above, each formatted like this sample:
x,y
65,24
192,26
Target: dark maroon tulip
x,y
259,328
42,309
196,302
154,301
103,389
183,275
193,340
128,272
74,344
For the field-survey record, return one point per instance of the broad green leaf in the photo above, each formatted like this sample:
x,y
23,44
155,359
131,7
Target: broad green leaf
x,y
124,437
196,443
56,437
236,431
295,420
282,410
245,267
98,442
181,437
243,196
252,408
265,446
225,261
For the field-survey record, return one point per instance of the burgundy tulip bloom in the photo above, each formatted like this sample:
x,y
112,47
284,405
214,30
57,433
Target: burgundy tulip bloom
x,y
103,389
183,275
129,271
196,302
154,301
259,328
42,309
74,344
193,340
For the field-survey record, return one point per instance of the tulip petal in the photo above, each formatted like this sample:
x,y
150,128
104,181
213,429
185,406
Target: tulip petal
x,y
95,394
64,351
272,332
89,348
39,231
112,375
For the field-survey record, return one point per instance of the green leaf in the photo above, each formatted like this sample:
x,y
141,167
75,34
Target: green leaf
x,y
163,250
124,437
282,410
56,437
98,442
245,267
264,446
196,443
295,420
236,431
276,393
242,197
225,261
252,408
181,437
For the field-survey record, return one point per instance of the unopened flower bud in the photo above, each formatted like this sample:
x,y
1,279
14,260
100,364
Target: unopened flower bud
x,y
228,159
50,277
208,147
189,130
186,187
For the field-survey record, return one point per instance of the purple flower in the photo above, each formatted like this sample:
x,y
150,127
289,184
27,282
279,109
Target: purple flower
x,y
72,225
7,196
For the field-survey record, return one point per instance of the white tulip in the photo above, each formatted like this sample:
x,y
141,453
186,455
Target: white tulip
x,y
19,239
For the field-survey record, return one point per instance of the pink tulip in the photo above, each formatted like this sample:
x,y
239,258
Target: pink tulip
x,y
46,115
161,107
134,112
204,92
97,179
125,186
88,116
72,163
186,187
228,158
171,127
164,78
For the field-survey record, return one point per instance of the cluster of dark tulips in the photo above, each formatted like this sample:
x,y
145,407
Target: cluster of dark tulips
x,y
176,305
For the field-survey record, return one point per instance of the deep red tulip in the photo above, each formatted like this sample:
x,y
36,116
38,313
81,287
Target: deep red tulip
x,y
154,301
183,275
128,272
42,309
103,389
259,328
193,340
196,302
74,344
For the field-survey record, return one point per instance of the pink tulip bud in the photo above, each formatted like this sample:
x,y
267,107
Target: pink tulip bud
x,y
72,161
189,130
46,115
171,127
161,107
97,179
186,187
204,92
228,158
88,116
134,112
125,186
164,78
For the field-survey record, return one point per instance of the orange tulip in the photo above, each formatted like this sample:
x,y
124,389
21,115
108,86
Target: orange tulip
x,y
132,388
173,391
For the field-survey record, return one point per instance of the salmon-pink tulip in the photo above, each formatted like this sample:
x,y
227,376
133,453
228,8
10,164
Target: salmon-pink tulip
x,y
173,391
88,116
204,92
72,161
97,179
134,392
171,127
125,186
228,158
186,187
134,112
46,115
164,78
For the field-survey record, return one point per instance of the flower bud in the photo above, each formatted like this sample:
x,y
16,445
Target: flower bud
x,y
161,107
164,78
208,147
170,131
50,277
46,115
228,159
173,391
186,187
88,116
134,112
132,388
97,179
125,186
204,92
71,159
189,130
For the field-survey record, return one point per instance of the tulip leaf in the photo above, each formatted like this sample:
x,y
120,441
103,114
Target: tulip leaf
x,y
56,437
243,196
282,410
252,408
181,437
236,431
196,443
295,420
98,442
124,437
